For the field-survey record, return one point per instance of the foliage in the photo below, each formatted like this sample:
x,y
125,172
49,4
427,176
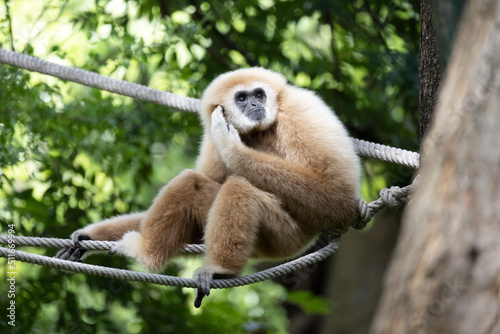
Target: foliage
x,y
71,155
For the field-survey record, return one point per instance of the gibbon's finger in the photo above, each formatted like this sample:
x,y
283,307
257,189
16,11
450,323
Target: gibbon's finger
x,y
220,110
74,253
223,112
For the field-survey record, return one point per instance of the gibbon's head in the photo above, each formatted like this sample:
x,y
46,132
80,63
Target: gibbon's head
x,y
249,97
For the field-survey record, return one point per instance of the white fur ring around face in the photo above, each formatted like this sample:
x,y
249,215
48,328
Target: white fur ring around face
x,y
224,134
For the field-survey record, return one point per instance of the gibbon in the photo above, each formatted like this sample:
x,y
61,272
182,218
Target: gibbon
x,y
276,168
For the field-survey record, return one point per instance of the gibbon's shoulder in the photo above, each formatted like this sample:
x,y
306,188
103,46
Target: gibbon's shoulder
x,y
316,124
306,107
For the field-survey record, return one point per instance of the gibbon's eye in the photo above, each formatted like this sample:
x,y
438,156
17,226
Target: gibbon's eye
x,y
259,93
241,97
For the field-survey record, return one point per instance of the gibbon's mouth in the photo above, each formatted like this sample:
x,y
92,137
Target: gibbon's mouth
x,y
256,114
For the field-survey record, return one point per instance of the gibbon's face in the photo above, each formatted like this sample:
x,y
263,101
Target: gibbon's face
x,y
251,107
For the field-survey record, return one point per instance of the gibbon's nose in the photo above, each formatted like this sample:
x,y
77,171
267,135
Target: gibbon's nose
x,y
253,102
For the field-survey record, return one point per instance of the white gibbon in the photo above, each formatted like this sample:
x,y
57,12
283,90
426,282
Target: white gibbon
x,y
276,168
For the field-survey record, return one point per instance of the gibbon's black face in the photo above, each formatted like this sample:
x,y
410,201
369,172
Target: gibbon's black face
x,y
251,103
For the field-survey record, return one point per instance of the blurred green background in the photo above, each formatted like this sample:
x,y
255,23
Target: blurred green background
x,y
71,155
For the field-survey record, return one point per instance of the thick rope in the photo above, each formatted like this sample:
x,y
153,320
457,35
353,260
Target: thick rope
x,y
389,197
387,153
98,81
84,244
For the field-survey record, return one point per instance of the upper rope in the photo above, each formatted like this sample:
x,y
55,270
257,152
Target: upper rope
x,y
98,81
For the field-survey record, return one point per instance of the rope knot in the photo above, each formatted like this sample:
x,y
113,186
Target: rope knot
x,y
392,196
365,215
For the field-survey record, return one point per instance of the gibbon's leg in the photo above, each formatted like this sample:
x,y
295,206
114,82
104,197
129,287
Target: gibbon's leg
x,y
114,228
111,229
176,218
244,221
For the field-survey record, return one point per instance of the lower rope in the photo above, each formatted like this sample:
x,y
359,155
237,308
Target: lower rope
x,y
123,274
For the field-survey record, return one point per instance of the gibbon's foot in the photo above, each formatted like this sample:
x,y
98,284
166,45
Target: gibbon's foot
x,y
203,277
202,281
74,254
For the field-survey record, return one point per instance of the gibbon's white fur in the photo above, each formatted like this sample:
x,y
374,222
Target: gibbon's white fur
x,y
276,168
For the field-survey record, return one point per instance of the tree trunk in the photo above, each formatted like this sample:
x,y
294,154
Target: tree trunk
x,y
447,15
445,276
429,75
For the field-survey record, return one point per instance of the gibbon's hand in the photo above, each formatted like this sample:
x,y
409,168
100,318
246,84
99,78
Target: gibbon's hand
x,y
74,254
224,135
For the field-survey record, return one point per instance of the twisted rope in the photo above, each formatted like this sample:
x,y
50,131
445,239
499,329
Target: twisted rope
x,y
389,197
84,244
387,153
98,81
78,267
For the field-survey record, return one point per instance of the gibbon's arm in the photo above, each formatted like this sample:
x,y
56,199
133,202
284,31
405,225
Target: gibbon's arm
x,y
274,174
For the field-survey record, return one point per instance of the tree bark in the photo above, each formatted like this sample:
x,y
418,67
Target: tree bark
x,y
447,14
445,276
429,75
